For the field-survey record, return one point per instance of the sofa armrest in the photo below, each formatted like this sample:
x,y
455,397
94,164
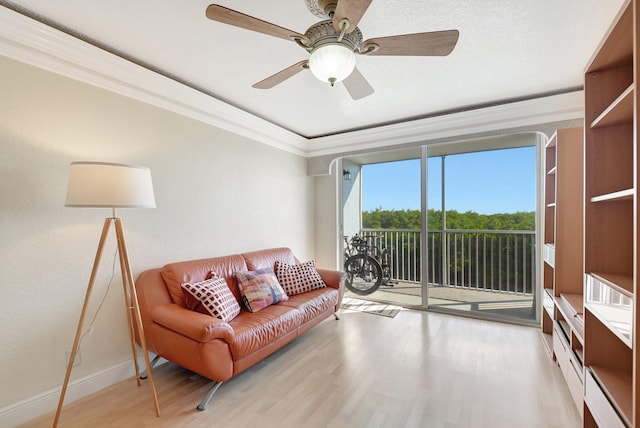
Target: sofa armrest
x,y
333,278
197,326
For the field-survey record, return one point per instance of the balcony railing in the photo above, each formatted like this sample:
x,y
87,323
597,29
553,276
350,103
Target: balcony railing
x,y
487,260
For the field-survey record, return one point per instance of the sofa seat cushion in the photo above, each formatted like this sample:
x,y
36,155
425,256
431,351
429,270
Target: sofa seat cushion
x,y
255,330
313,303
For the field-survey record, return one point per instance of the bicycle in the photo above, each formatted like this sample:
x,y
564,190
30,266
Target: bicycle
x,y
366,265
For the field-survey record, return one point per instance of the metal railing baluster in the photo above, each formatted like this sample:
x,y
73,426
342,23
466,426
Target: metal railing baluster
x,y
462,258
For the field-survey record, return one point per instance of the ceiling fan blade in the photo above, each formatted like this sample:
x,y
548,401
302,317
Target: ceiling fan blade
x,y
357,85
219,13
437,43
281,76
353,10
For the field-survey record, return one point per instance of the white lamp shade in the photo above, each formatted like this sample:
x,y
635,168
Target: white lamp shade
x,y
109,185
332,62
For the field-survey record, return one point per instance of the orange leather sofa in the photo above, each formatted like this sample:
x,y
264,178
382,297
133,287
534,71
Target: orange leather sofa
x,y
216,349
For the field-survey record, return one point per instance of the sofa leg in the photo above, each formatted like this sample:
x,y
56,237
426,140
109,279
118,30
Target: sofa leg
x,y
207,398
335,314
155,360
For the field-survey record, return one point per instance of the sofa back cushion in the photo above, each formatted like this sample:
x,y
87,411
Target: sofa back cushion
x,y
267,258
175,274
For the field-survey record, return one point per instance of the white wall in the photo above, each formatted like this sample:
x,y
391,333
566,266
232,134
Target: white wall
x,y
327,202
216,194
351,200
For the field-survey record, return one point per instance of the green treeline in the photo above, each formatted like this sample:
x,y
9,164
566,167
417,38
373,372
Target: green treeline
x,y
410,219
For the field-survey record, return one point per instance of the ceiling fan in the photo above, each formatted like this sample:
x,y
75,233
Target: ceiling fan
x,y
334,42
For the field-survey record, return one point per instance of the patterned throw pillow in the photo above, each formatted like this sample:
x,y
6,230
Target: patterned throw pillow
x,y
192,302
259,289
297,279
215,297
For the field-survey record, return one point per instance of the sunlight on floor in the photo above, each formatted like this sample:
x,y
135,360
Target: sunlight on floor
x,y
518,307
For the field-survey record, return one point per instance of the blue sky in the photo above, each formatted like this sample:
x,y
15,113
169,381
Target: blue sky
x,y
498,181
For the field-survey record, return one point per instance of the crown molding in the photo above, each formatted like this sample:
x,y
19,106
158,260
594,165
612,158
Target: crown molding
x,y
532,112
32,42
27,40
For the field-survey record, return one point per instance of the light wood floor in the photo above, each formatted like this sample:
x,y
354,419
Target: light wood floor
x,y
497,305
418,369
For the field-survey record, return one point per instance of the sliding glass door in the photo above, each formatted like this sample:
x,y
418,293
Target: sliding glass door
x,y
481,222
453,227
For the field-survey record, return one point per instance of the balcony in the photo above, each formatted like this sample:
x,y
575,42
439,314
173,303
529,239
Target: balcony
x,y
487,271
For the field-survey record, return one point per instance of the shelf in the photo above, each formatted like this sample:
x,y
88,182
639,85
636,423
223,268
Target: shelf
x,y
617,385
617,47
571,307
549,255
622,195
552,171
622,283
619,112
566,329
612,305
575,302
547,302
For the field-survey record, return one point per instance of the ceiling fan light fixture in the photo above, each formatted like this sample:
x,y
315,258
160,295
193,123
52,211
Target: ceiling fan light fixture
x,y
332,62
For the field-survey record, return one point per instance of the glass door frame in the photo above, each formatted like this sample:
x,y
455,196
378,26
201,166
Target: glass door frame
x,y
540,140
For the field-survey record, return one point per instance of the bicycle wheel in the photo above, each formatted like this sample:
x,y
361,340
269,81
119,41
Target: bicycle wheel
x,y
364,274
384,264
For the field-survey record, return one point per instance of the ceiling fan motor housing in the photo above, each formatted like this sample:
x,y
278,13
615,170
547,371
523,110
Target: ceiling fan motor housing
x,y
332,57
323,32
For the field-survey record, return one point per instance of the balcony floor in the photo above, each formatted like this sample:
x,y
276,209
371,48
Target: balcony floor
x,y
492,304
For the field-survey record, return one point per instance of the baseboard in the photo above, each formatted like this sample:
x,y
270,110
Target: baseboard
x,y
38,405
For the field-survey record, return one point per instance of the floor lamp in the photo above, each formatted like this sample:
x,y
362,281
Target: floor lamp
x,y
109,185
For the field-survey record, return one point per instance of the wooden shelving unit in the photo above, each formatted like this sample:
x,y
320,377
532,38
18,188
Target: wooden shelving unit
x,y
611,227
562,317
549,243
563,212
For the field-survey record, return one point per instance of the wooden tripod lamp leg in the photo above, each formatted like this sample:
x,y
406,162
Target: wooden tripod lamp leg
x,y
128,284
128,309
122,247
76,341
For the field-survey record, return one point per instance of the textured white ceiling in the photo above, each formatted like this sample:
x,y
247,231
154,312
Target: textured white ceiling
x,y
507,50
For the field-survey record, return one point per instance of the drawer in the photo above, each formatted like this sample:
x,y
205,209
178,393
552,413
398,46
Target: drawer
x,y
574,381
560,348
601,409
